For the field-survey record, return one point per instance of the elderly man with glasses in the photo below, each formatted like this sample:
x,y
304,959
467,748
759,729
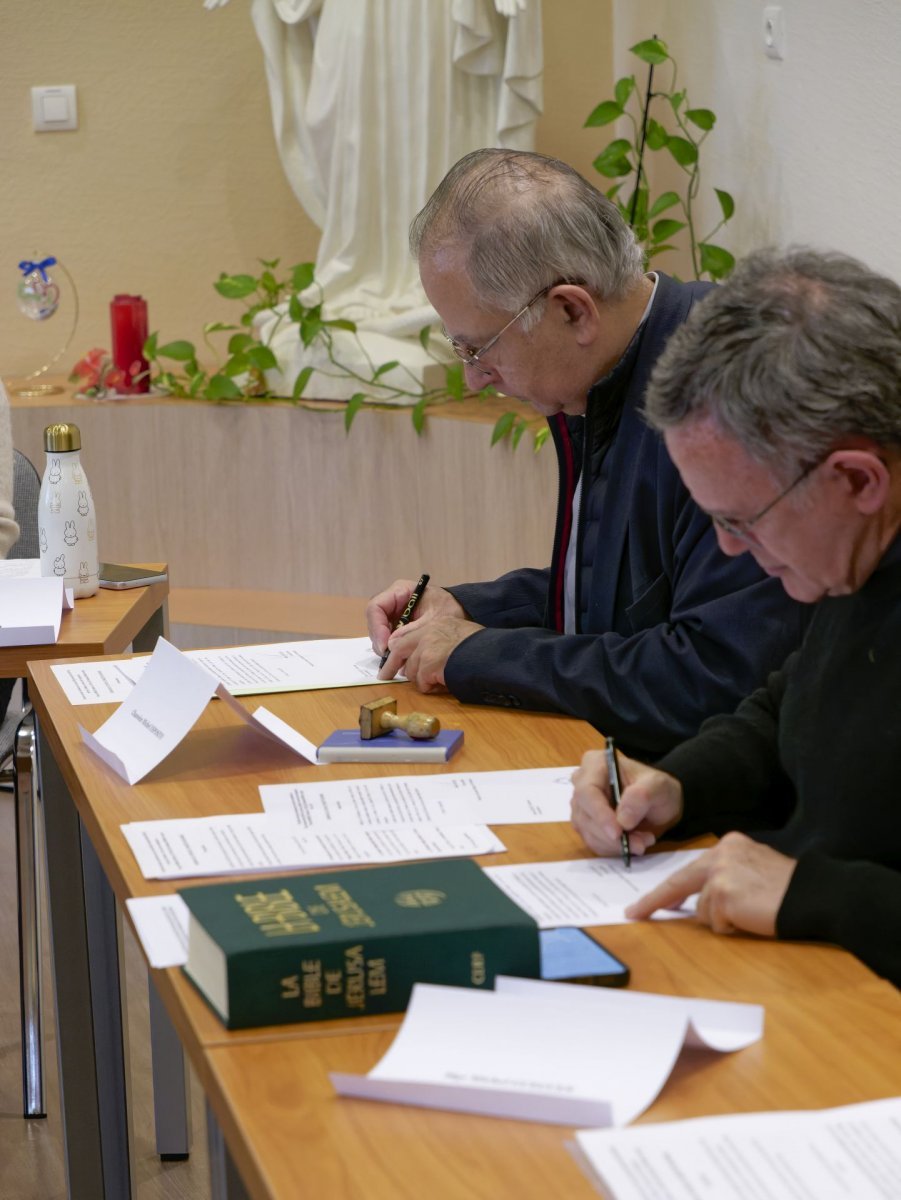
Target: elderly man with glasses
x,y
781,398
640,625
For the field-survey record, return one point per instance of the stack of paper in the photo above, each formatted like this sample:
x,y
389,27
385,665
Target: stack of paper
x,y
546,1051
849,1153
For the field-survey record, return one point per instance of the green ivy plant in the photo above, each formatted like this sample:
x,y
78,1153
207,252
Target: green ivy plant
x,y
680,131
240,373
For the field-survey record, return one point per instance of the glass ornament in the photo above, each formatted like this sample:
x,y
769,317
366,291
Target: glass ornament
x,y
37,294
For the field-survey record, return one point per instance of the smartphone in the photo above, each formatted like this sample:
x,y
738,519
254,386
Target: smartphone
x,y
117,575
571,956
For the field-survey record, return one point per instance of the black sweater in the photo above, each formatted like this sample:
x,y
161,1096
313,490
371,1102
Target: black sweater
x,y
811,765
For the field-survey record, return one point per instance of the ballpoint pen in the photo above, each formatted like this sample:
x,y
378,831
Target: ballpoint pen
x,y
616,789
407,615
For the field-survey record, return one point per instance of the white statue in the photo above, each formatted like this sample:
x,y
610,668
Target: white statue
x,y
372,102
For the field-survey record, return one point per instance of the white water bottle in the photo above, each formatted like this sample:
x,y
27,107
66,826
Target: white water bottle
x,y
66,522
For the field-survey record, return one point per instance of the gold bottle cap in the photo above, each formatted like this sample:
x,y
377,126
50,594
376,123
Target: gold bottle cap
x,y
62,438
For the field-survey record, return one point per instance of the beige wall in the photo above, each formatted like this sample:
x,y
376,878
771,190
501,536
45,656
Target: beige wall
x,y
172,175
578,74
809,146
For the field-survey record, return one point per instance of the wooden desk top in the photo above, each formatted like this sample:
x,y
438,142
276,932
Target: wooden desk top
x,y
831,1025
221,763
293,1138
104,623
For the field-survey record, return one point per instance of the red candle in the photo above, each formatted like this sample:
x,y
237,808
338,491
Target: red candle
x,y
128,320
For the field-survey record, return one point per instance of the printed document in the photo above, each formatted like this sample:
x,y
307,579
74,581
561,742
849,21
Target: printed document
x,y
589,891
545,1051
161,923
225,845
479,797
243,670
848,1153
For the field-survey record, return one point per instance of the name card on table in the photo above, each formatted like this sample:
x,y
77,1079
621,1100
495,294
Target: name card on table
x,y
31,608
163,706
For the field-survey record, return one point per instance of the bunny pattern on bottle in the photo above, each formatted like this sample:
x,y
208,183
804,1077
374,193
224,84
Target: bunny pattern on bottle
x,y
66,523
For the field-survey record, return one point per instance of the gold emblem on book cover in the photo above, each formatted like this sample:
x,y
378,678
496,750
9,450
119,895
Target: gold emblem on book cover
x,y
420,898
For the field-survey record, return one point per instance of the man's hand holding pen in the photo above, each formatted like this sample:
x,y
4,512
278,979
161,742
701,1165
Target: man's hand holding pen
x,y
385,609
649,804
422,648
739,882
416,647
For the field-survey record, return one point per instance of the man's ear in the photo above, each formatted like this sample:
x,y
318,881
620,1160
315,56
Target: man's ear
x,y
864,475
577,309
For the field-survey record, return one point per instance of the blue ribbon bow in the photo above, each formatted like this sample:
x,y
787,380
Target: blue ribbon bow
x,y
27,267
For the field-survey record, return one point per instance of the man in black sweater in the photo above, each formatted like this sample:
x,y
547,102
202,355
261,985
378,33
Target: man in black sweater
x,y
780,403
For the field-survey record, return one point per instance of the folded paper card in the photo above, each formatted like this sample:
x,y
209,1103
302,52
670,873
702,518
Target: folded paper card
x,y
550,1052
163,706
31,609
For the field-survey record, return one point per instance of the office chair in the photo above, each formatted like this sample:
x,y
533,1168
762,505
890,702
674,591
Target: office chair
x,y
17,737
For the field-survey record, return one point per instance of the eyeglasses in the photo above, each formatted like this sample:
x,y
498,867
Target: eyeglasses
x,y
739,527
469,355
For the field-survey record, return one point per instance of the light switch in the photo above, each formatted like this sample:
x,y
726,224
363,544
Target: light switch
x,y
54,108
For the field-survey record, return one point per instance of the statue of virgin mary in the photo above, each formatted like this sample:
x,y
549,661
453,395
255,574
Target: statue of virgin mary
x,y
372,102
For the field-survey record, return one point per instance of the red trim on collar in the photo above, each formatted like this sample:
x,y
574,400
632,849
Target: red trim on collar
x,y
568,491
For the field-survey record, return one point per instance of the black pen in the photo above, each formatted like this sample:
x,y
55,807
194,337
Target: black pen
x,y
616,788
407,615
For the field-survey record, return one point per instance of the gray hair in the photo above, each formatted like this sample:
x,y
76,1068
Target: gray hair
x,y
526,222
795,351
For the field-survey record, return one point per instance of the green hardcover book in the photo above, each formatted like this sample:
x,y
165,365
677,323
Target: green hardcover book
x,y
351,943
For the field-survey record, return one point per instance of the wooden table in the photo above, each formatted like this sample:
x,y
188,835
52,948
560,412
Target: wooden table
x,y
830,1022
107,622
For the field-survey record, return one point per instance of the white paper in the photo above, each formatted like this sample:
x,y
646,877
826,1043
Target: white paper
x,y
20,568
589,891
31,609
244,670
163,706
171,695
713,1024
161,923
269,723
477,797
105,682
225,845
848,1153
542,1055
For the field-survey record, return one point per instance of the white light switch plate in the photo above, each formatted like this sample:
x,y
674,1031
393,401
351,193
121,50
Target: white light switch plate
x,y
54,108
